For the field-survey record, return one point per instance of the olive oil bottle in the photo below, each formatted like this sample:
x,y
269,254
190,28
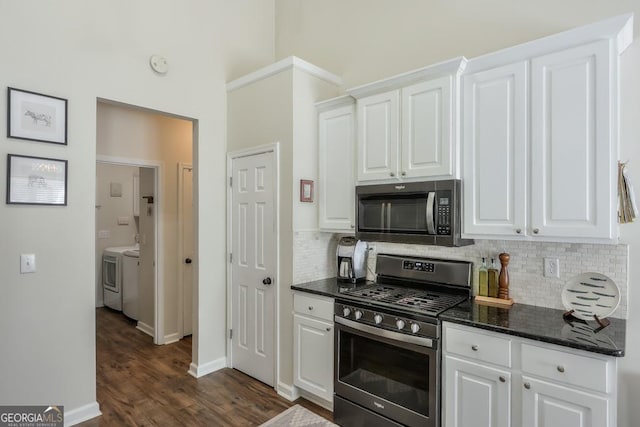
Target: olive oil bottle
x,y
492,274
483,279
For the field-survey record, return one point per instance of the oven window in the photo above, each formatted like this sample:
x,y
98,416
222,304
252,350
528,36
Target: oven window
x,y
392,373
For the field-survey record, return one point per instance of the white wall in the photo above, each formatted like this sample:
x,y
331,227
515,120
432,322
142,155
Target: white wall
x,y
83,50
366,40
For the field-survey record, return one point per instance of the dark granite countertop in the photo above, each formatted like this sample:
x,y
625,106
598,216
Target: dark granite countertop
x,y
527,321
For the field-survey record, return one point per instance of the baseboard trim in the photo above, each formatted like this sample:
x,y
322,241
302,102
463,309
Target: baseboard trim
x,y
81,414
328,405
201,370
171,338
141,326
287,391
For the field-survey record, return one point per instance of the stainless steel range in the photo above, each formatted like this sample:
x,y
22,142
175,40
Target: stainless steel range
x,y
387,342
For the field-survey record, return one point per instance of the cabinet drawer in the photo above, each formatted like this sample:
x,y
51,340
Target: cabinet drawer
x,y
478,346
569,368
315,306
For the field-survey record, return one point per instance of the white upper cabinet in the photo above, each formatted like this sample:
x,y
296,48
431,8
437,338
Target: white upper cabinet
x,y
336,177
378,136
427,137
495,151
407,125
573,155
539,137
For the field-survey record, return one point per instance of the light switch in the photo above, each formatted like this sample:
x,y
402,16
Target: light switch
x,y
104,234
123,220
27,263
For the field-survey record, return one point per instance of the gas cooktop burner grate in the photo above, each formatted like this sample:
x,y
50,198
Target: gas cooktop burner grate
x,y
407,298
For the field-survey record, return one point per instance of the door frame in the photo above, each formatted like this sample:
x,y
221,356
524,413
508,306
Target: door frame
x,y
158,286
252,151
181,253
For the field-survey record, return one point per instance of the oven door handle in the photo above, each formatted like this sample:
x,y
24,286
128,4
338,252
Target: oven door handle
x,y
421,341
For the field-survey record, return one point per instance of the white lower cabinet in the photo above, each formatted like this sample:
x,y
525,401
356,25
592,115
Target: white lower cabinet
x,y
477,394
498,380
545,404
313,345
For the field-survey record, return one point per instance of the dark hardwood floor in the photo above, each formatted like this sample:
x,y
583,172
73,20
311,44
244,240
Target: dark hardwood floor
x,y
141,384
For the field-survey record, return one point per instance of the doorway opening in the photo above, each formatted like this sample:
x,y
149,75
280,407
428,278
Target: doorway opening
x,y
153,144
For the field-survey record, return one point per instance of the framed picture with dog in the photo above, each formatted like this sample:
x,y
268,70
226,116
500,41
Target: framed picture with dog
x,y
36,117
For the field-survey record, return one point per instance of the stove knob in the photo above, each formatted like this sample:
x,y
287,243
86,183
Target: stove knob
x,y
377,318
358,314
415,328
400,324
346,311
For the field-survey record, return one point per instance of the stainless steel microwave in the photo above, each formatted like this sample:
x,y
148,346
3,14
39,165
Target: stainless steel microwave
x,y
426,213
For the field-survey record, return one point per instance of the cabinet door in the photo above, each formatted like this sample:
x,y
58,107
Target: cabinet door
x,y
313,356
336,140
476,395
427,137
494,149
549,405
572,151
378,133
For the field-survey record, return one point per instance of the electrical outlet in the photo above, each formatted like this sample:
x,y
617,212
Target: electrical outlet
x,y
552,267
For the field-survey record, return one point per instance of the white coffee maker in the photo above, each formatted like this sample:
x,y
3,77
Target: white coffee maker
x,y
352,260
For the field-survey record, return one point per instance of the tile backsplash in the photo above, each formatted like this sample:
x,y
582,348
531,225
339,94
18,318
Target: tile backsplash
x,y
314,258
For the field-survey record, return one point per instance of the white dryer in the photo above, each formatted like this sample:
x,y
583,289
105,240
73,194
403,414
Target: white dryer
x,y
130,280
112,275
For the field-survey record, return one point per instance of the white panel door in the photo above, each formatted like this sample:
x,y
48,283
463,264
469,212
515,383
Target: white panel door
x,y
253,266
476,395
188,248
427,142
572,165
378,136
550,405
495,151
336,145
313,347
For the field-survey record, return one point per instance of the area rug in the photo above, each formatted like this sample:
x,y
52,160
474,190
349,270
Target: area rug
x,y
297,416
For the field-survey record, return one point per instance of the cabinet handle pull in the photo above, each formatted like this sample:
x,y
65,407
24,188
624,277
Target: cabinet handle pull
x,y
536,231
474,347
353,226
404,173
310,307
560,369
518,230
503,379
328,329
392,174
527,386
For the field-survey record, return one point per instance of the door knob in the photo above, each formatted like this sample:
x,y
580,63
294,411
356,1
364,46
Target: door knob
x,y
266,281
188,261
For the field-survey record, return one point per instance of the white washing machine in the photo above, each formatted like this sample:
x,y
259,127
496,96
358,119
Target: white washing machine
x,y
112,275
130,280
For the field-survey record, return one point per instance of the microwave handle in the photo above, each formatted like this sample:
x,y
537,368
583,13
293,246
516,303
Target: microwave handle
x,y
431,199
382,215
